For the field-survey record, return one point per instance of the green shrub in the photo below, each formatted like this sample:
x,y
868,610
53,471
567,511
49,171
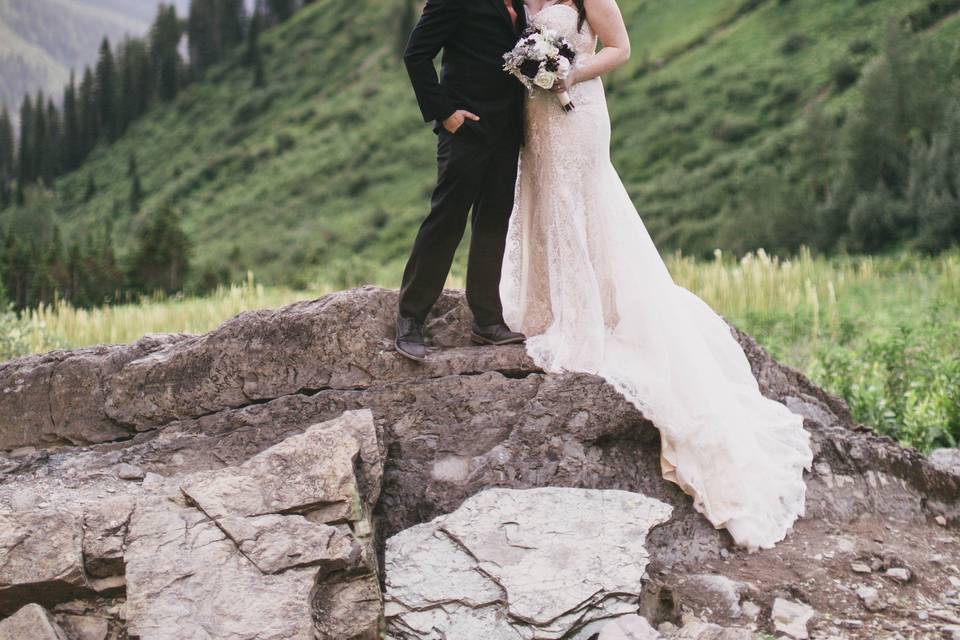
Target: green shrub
x,y
875,221
845,74
794,43
933,196
284,142
860,47
734,129
906,384
13,338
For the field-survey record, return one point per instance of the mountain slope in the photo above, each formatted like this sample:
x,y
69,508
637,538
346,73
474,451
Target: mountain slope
x,y
329,167
41,40
140,10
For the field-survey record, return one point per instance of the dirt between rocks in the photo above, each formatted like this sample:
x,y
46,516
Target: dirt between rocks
x,y
823,564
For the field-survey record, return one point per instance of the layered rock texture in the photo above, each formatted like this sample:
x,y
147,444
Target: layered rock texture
x,y
249,478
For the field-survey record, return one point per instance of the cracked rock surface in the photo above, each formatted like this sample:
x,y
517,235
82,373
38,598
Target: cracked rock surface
x,y
539,563
95,442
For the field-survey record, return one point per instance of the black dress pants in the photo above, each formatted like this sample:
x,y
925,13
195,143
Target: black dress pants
x,y
474,172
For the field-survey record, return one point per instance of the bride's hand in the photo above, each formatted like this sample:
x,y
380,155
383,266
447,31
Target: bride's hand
x,y
564,84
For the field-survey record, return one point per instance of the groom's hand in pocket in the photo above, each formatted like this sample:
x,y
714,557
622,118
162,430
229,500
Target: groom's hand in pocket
x,y
456,120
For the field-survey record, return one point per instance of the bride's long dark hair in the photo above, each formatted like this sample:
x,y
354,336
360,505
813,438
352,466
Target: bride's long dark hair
x,y
582,10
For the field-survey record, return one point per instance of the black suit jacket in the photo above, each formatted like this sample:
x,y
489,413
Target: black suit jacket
x,y
474,35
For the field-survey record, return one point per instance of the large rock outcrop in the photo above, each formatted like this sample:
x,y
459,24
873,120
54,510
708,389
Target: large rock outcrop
x,y
101,442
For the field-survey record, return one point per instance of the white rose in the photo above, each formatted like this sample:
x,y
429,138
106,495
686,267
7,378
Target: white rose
x,y
546,50
545,79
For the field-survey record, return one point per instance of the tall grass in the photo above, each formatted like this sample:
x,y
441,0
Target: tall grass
x,y
65,326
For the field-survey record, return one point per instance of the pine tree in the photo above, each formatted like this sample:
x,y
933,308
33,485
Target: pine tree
x,y
126,111
7,161
136,192
233,23
144,84
8,265
39,136
21,268
280,10
89,120
90,190
161,259
42,285
70,154
135,81
259,74
252,57
201,36
4,298
213,28
7,146
50,165
252,48
25,153
165,57
106,91
55,259
73,287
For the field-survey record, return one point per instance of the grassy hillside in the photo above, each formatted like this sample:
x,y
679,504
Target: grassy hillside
x,y
328,168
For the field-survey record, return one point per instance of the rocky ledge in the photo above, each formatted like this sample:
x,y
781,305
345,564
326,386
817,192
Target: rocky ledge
x,y
253,482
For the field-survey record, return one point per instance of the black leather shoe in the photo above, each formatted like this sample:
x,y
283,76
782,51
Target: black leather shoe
x,y
496,334
409,342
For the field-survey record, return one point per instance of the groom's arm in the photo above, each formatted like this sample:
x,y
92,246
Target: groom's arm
x,y
436,26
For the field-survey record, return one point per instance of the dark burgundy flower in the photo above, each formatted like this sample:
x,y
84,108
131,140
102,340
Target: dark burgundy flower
x,y
552,65
530,68
567,52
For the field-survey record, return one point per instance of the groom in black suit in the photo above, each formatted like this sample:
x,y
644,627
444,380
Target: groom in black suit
x,y
477,110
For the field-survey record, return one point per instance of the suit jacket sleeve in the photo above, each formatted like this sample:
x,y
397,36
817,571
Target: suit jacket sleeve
x,y
436,27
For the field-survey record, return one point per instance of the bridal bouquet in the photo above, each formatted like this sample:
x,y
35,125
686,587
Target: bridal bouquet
x,y
540,59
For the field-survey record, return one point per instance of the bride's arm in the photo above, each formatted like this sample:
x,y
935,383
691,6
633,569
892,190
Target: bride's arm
x,y
607,22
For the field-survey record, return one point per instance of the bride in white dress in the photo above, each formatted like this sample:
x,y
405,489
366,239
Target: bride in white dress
x,y
584,281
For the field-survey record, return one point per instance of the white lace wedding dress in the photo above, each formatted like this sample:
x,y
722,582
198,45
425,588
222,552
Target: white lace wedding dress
x,y
584,281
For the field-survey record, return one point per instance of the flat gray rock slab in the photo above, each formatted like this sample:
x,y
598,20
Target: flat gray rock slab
x,y
538,563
